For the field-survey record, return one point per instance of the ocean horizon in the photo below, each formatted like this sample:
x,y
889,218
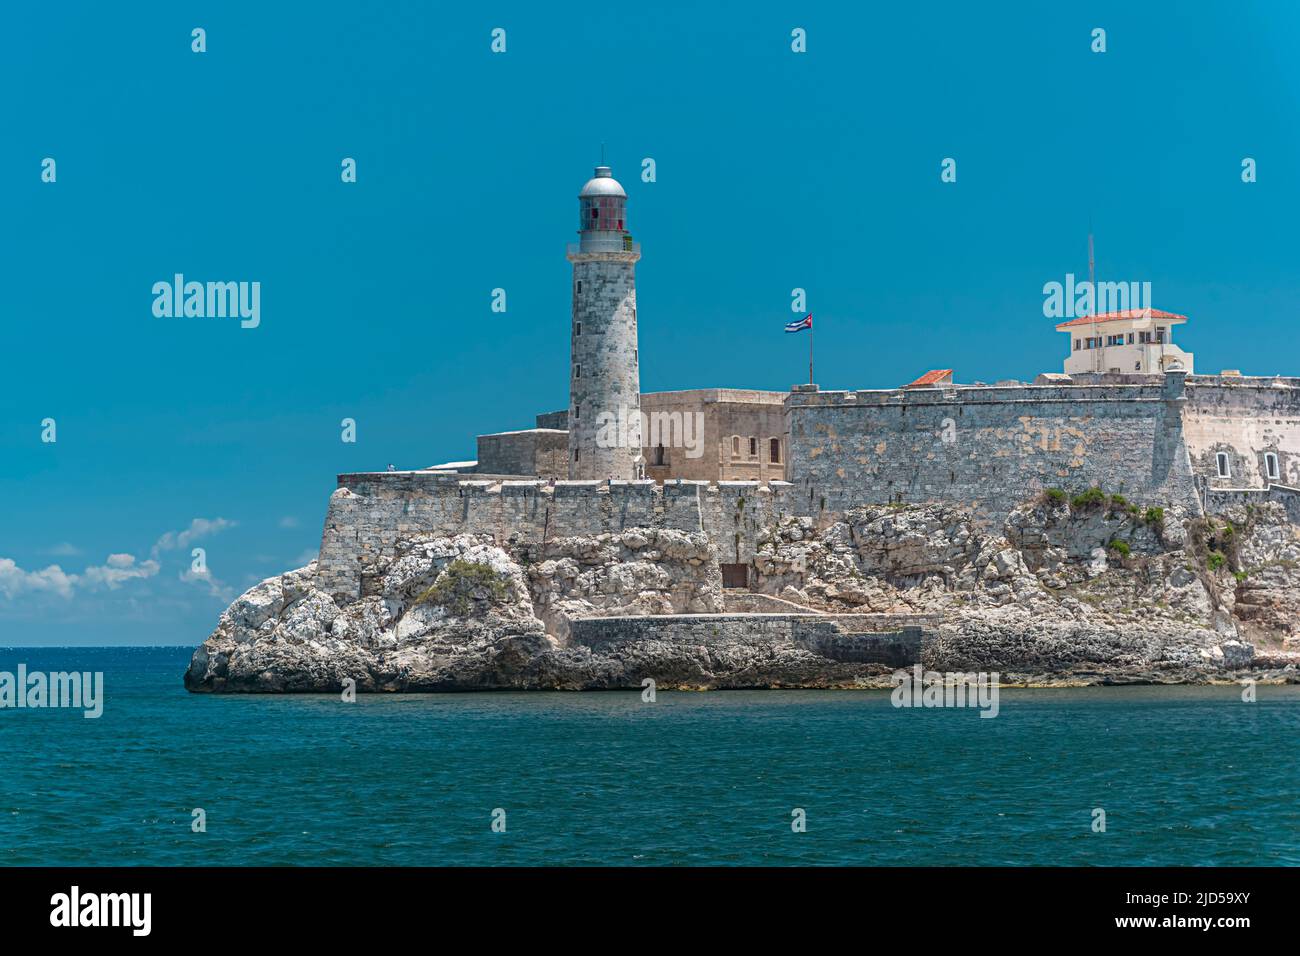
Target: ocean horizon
x,y
1185,775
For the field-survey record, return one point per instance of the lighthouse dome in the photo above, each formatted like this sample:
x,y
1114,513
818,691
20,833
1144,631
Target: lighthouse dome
x,y
602,184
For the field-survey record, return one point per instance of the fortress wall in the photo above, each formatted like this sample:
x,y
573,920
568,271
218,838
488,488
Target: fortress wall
x,y
534,451
988,448
682,505
371,512
1219,500
1244,418
736,512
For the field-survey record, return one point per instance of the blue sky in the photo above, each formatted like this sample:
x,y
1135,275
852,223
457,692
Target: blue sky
x,y
775,170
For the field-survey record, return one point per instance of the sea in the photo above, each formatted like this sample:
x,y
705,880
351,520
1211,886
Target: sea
x,y
1106,776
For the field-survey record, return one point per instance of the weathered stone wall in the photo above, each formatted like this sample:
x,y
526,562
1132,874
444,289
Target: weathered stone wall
x,y
893,640
537,452
1246,419
988,448
372,512
1224,500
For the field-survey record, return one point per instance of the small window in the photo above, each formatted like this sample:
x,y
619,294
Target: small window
x,y
577,371
776,451
577,411
577,328
659,455
1221,459
1130,338
575,454
579,287
753,448
735,445
1270,465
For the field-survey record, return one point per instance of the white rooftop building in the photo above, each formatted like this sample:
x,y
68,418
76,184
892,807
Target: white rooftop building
x,y
1134,340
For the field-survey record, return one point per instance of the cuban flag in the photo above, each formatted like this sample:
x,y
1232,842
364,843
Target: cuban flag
x,y
800,325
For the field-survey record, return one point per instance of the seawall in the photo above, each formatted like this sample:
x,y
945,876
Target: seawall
x,y
890,640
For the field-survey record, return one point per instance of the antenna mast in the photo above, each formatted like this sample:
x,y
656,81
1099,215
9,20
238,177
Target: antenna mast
x,y
1099,355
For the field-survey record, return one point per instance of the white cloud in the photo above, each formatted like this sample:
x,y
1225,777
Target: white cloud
x,y
118,568
288,521
64,550
14,581
199,528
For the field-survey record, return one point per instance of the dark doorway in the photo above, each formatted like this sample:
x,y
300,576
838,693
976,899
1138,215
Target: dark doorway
x,y
735,575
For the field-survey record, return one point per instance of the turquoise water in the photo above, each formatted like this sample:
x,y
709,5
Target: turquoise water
x,y
1185,775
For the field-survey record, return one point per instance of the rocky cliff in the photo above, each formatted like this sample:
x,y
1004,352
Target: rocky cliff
x,y
1086,590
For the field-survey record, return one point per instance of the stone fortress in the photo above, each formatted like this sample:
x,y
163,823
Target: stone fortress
x,y
810,534
1198,441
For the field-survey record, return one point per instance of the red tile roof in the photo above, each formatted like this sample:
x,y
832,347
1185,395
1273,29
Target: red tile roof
x,y
1125,314
933,377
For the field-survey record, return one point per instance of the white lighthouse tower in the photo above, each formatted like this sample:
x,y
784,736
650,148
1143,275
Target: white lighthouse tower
x,y
604,379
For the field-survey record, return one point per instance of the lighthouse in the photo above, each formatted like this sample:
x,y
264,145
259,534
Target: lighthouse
x,y
604,379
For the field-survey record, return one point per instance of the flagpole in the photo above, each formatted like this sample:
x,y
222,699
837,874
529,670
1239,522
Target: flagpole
x,y
810,354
